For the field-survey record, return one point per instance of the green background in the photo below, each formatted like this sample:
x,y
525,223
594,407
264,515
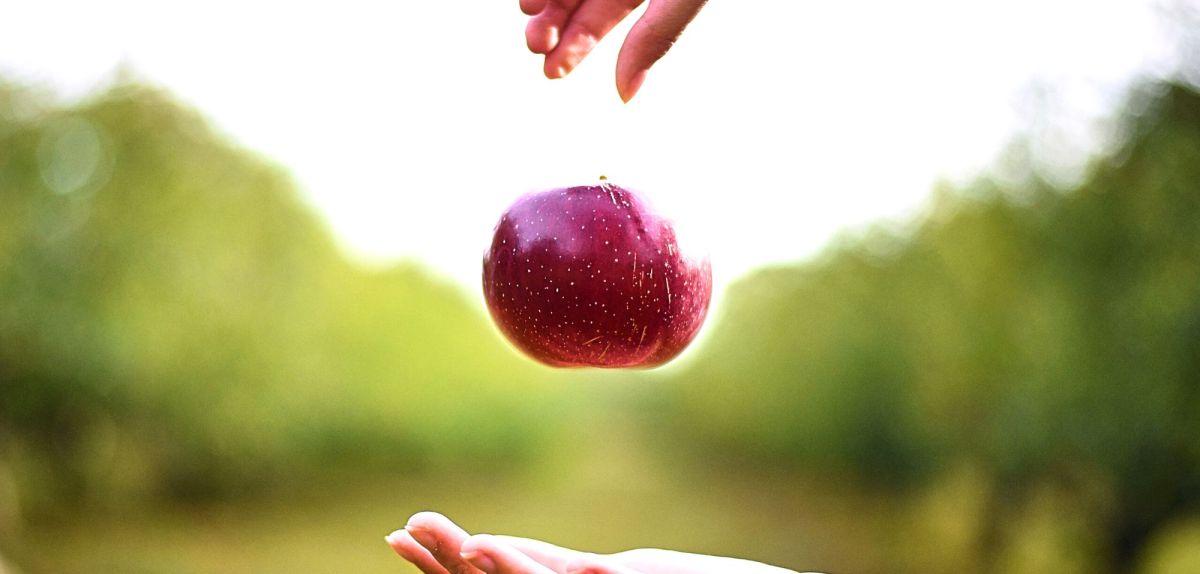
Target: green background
x,y
193,377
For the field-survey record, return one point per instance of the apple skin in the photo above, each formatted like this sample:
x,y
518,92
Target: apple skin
x,y
590,276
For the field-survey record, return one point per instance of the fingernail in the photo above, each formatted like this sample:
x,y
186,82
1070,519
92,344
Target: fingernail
x,y
423,537
556,72
635,84
480,560
394,537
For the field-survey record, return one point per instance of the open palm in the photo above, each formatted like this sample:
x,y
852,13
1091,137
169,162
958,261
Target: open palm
x,y
436,545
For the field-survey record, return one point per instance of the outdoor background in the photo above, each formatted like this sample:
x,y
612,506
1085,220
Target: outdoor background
x,y
252,339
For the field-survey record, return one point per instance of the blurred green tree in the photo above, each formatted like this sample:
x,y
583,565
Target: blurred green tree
x,y
1048,336
174,321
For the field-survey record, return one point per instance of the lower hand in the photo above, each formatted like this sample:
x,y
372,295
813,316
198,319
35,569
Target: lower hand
x,y
435,545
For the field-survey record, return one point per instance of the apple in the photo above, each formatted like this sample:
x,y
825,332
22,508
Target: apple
x,y
592,276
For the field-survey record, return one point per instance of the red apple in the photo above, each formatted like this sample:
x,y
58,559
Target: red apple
x,y
591,276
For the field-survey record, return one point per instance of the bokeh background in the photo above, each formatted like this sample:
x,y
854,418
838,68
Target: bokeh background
x,y
957,330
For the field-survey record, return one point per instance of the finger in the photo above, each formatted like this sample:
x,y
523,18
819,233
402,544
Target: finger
x,y
544,30
649,39
403,544
442,538
592,564
588,24
532,7
553,557
495,557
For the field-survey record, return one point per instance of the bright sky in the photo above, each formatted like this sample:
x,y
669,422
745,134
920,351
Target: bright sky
x,y
771,125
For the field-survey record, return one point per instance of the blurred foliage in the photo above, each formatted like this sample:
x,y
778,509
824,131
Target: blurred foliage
x,y
173,320
1048,339
1015,375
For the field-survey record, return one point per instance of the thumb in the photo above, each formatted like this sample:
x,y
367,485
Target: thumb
x,y
650,38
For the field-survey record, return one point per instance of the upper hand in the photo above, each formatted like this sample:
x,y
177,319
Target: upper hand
x,y
437,546
566,30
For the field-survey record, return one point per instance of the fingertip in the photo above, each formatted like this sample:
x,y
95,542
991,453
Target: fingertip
x,y
554,70
408,548
425,519
532,7
538,36
401,543
484,552
394,538
480,560
544,31
630,86
433,530
572,49
392,544
477,542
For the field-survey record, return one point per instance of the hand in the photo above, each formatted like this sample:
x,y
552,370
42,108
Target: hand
x,y
566,30
437,546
